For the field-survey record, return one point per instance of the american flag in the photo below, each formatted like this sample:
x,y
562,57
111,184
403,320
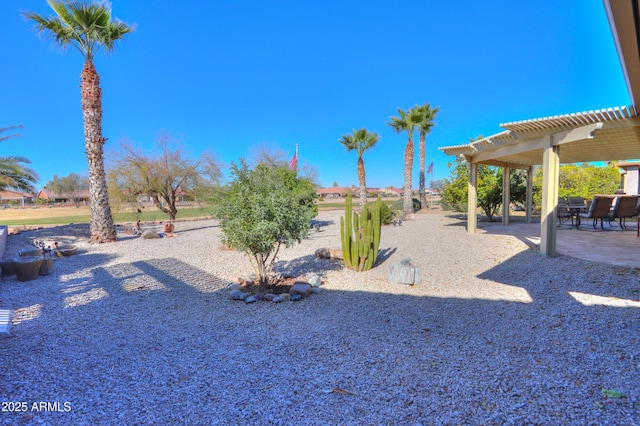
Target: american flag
x,y
293,164
430,170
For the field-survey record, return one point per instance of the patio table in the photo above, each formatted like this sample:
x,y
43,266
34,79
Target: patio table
x,y
575,210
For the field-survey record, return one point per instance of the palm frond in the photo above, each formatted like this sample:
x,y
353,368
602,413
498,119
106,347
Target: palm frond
x,y
5,129
87,25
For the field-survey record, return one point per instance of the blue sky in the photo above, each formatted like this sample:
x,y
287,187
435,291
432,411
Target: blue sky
x,y
226,77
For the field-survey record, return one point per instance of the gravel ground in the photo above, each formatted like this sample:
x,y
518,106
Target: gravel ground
x,y
143,332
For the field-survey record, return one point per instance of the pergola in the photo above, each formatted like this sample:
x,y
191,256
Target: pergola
x,y
610,134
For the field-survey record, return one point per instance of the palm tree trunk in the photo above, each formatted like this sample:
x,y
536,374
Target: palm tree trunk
x,y
363,183
422,154
101,228
407,205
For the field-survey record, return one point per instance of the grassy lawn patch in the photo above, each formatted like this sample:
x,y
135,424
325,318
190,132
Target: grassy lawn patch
x,y
67,215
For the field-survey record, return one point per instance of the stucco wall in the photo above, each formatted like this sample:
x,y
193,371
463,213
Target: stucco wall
x,y
631,184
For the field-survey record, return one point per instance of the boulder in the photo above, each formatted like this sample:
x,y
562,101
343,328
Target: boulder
x,y
329,253
300,288
149,235
403,273
238,295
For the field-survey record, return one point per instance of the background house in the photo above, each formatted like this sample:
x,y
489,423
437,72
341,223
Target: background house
x,y
21,198
53,197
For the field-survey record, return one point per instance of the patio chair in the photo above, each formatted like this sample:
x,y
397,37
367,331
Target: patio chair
x,y
625,207
577,203
599,209
563,212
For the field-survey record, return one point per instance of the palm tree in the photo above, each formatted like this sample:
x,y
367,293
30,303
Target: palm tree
x,y
424,127
360,141
87,26
13,174
407,122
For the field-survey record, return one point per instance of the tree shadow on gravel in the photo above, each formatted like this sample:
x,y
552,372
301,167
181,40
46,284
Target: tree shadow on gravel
x,y
168,330
307,264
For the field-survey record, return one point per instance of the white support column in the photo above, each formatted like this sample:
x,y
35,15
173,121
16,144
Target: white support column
x,y
506,194
550,180
472,197
529,201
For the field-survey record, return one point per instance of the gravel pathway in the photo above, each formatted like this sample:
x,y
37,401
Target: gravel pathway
x,y
143,332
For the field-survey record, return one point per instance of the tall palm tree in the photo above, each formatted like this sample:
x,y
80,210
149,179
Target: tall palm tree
x,y
424,127
360,141
13,173
87,26
407,122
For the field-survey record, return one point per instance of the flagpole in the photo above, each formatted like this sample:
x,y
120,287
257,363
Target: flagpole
x,y
430,188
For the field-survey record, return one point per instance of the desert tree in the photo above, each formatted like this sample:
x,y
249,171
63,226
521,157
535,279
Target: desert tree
x,y
166,176
271,155
88,27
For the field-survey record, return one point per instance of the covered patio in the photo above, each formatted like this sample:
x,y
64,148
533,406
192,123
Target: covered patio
x,y
610,134
612,245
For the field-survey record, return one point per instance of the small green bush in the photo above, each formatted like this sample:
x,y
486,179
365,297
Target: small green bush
x,y
262,209
386,214
398,204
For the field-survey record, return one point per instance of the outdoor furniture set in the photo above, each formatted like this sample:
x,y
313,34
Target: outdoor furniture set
x,y
611,208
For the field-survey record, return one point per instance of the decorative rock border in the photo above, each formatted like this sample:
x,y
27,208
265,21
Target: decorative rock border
x,y
298,291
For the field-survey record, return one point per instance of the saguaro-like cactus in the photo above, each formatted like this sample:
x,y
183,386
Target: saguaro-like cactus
x,y
360,235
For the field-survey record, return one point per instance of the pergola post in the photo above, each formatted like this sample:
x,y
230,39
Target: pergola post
x,y
550,180
529,195
472,197
506,194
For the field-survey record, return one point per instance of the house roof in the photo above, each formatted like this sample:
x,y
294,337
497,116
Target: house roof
x,y
602,135
333,190
51,195
9,194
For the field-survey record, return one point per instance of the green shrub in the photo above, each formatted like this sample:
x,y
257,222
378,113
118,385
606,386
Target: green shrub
x,y
398,204
262,209
386,214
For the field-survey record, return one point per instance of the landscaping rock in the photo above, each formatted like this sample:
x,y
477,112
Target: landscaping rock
x,y
234,286
315,280
250,299
259,297
403,273
285,297
269,296
300,288
295,298
316,290
238,295
277,299
329,253
149,235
